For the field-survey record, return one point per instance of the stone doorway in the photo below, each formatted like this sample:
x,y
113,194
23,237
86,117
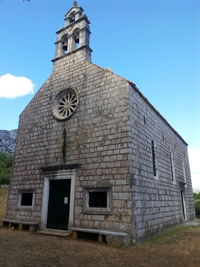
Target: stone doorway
x,y
59,204
58,200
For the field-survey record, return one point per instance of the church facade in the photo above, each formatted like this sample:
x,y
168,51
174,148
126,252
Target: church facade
x,y
93,155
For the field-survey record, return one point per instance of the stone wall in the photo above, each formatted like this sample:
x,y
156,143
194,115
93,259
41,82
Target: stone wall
x,y
156,200
96,137
110,137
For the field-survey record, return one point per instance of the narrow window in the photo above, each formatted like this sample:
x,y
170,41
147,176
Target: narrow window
x,y
184,173
154,158
163,137
172,167
144,119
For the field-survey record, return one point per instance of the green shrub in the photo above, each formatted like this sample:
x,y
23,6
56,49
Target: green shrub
x,y
197,207
197,203
196,196
6,161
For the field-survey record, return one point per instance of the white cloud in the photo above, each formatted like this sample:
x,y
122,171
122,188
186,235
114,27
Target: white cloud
x,y
12,86
194,157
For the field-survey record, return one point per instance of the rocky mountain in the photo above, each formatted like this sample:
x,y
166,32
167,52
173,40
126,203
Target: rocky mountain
x,y
7,140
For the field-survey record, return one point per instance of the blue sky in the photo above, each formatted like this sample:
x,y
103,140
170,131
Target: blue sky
x,y
154,43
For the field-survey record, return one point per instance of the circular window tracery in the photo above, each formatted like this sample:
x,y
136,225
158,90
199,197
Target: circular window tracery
x,y
65,104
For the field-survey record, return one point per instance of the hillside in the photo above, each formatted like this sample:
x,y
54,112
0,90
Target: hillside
x,y
7,140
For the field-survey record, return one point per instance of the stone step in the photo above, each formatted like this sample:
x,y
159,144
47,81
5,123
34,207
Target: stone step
x,y
53,232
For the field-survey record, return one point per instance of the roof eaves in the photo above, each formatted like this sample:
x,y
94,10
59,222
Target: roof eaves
x,y
133,85
154,109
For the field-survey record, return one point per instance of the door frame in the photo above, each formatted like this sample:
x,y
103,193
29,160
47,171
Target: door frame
x,y
57,175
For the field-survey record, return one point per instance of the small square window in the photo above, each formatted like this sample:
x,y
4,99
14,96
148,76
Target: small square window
x,y
97,200
26,199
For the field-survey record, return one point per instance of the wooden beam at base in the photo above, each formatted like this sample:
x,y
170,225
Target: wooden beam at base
x,y
74,235
20,226
100,238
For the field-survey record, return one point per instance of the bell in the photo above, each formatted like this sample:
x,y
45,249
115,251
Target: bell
x,y
65,47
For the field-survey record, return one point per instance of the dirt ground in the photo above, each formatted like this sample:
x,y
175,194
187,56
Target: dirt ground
x,y
177,247
22,249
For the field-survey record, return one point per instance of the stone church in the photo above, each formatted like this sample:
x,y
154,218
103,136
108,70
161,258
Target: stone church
x,y
93,155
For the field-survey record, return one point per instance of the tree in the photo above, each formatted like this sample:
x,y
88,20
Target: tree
x,y
196,196
197,207
6,161
197,203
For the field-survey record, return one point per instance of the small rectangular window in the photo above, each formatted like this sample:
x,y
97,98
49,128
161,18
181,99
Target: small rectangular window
x,y
98,199
27,199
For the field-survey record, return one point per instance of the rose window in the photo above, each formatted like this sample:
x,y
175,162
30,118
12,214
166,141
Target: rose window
x,y
65,104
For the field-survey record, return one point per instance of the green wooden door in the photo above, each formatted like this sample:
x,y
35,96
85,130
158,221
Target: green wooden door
x,y
59,203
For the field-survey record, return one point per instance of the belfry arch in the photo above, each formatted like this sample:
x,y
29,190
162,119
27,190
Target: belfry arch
x,y
65,45
76,39
75,34
72,17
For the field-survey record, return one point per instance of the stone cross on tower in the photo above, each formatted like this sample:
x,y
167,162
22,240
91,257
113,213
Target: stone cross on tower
x,y
75,35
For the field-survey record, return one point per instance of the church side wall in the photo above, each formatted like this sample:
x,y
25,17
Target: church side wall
x,y
96,138
157,200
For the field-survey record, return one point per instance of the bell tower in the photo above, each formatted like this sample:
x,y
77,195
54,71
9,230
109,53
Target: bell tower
x,y
75,35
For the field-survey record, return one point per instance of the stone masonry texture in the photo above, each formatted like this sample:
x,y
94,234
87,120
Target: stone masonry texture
x,y
156,201
97,138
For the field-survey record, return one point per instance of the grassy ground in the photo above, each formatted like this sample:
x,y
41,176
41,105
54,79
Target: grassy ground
x,y
3,199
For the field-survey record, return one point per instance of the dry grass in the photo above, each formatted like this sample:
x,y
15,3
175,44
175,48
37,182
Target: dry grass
x,y
3,200
22,249
177,247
